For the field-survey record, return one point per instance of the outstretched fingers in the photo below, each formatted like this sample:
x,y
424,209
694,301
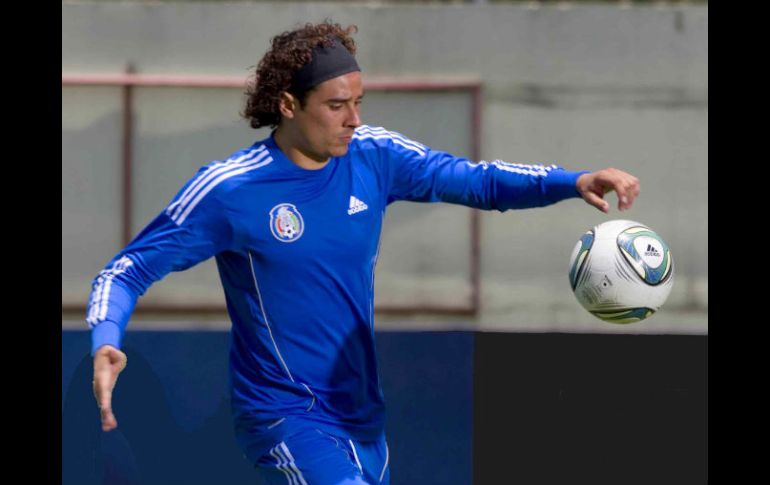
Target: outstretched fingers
x,y
108,364
593,186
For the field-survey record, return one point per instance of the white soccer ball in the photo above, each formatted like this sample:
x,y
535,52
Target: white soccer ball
x,y
621,271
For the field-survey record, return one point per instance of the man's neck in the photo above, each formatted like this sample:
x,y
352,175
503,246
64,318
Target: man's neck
x,y
295,153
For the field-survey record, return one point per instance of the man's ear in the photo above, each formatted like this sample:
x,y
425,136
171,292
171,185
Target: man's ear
x,y
287,104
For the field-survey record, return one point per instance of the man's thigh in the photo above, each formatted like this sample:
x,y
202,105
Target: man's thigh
x,y
314,457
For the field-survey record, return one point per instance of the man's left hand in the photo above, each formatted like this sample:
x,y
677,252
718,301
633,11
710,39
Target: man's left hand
x,y
593,186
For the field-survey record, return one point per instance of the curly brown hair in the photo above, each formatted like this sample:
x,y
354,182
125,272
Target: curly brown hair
x,y
288,53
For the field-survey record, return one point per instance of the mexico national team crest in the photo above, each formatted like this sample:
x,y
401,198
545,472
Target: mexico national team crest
x,y
286,222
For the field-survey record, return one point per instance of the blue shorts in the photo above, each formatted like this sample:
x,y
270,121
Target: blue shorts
x,y
314,457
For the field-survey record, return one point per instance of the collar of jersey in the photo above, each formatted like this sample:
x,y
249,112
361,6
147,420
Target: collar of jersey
x,y
287,164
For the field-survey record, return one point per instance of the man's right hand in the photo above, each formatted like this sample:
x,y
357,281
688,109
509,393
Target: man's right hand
x,y
108,363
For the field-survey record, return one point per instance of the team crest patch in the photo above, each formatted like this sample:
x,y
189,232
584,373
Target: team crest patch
x,y
286,222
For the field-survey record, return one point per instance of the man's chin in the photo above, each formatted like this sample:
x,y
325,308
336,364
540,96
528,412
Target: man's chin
x,y
339,151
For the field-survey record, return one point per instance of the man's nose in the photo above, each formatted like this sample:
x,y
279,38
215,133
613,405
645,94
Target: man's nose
x,y
354,117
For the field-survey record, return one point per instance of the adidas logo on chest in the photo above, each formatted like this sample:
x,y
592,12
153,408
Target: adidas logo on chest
x,y
356,206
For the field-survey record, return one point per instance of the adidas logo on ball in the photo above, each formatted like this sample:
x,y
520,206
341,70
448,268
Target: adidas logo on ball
x,y
651,251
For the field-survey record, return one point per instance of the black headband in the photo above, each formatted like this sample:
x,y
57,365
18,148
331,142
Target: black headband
x,y
326,63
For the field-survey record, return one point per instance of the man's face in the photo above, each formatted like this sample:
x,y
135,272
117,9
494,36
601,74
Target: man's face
x,y
330,115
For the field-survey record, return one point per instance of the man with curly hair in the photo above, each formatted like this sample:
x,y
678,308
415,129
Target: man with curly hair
x,y
294,223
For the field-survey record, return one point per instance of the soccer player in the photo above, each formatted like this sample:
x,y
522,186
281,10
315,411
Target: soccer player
x,y
294,223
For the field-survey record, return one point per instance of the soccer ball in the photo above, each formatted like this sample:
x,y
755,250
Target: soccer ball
x,y
621,271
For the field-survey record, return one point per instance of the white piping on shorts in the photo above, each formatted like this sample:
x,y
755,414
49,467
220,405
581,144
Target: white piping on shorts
x,y
285,463
285,449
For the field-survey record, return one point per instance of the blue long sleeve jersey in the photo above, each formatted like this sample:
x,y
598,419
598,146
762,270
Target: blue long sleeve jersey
x,y
296,251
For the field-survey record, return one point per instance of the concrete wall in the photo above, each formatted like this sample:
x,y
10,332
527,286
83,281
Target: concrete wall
x,y
588,86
